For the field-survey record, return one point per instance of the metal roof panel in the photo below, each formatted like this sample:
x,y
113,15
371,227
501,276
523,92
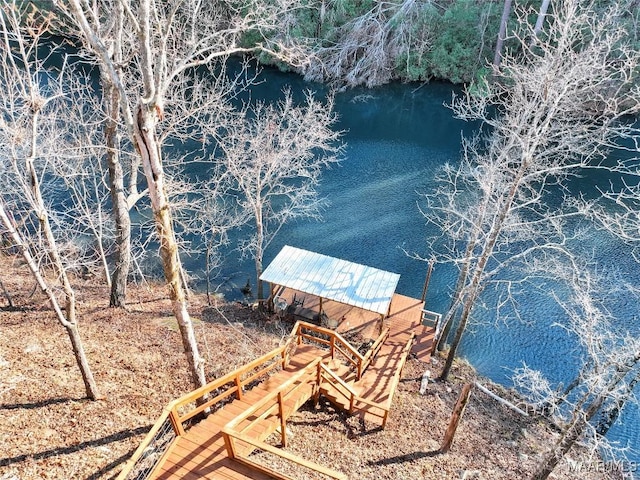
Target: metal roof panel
x,y
332,278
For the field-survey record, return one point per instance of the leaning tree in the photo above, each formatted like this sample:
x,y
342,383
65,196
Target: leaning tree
x,y
37,131
175,46
554,109
607,354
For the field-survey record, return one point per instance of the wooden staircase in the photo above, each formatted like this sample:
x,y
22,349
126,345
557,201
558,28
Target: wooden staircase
x,y
246,406
370,396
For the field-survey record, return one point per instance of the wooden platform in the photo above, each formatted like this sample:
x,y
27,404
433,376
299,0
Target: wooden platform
x,y
405,319
405,315
201,452
219,445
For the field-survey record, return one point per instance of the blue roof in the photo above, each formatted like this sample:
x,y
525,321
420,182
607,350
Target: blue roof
x,y
332,278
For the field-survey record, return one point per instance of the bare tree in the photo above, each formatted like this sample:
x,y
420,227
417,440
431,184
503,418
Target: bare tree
x,y
170,43
211,219
502,33
553,112
610,357
365,49
544,6
33,131
275,158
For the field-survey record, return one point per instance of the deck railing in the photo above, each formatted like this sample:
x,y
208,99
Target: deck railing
x,y
333,340
205,399
356,402
179,411
240,445
432,319
375,348
396,377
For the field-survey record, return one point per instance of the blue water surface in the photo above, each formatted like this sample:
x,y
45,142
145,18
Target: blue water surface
x,y
397,137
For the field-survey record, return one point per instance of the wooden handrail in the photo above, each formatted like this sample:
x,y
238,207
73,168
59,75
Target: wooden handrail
x,y
375,348
131,463
337,380
234,376
282,454
271,395
354,397
171,411
231,434
396,377
351,354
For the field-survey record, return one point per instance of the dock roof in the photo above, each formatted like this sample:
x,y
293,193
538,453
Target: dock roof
x,y
333,279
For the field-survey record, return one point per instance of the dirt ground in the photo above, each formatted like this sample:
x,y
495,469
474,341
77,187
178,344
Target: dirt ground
x,y
49,431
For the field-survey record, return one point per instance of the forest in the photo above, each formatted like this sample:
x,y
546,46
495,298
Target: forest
x,y
95,95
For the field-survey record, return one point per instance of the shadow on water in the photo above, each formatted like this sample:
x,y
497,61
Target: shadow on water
x,y
396,139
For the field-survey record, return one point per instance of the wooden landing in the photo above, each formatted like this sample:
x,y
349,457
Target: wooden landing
x,y
201,452
405,316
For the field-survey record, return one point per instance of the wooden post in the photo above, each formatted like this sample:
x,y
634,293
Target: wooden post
x,y
238,387
458,411
230,445
427,280
174,416
270,299
316,395
283,422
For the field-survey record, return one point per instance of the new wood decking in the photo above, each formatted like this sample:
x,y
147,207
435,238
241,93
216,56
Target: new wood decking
x,y
201,452
219,445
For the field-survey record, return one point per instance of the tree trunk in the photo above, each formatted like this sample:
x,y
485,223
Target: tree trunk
x,y
456,416
569,438
81,359
476,285
149,148
464,319
544,6
502,34
610,414
581,418
259,251
120,208
68,320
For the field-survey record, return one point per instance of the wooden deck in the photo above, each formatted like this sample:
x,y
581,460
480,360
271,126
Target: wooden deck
x,y
255,405
405,315
201,453
380,380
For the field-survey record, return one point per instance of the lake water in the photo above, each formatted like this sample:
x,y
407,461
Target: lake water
x,y
397,137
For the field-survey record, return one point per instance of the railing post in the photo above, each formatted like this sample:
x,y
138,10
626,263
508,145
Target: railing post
x,y
316,395
333,346
238,387
175,422
229,444
283,422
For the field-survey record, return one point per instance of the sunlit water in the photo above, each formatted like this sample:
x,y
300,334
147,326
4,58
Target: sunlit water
x,y
397,137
